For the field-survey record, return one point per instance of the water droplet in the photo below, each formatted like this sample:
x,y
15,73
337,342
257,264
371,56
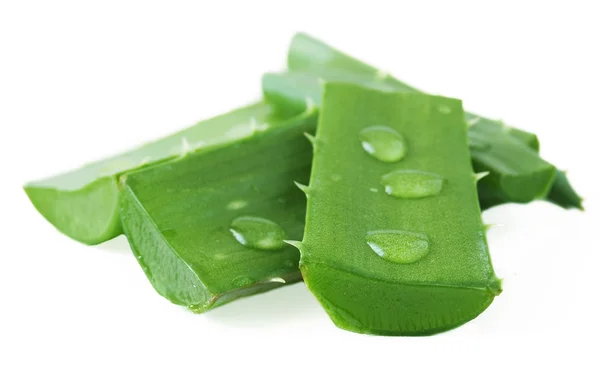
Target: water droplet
x,y
336,177
407,183
383,143
258,233
373,190
242,281
444,109
398,246
237,204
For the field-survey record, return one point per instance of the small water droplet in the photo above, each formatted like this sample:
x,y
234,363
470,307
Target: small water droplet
x,y
398,246
383,143
407,183
336,177
373,190
444,109
258,233
242,281
237,204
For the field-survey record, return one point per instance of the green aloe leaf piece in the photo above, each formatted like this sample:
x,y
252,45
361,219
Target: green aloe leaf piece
x,y
399,256
84,203
561,193
208,227
516,171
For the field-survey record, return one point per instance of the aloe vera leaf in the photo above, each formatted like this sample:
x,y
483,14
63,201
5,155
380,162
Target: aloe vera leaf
x,y
208,227
412,264
516,172
562,192
84,203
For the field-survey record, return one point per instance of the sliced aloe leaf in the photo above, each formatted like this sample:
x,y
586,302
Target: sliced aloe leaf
x,y
561,193
208,227
83,204
516,172
394,246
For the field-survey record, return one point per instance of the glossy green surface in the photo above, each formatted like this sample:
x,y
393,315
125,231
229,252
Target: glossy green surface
x,y
83,203
208,227
516,171
387,265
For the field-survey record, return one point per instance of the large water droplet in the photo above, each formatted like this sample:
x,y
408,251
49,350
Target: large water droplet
x,y
383,143
408,183
258,233
398,246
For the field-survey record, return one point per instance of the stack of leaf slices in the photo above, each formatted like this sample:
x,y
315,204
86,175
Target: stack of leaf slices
x,y
362,186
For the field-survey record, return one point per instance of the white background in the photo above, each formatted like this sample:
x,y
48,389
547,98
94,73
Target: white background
x,y
81,81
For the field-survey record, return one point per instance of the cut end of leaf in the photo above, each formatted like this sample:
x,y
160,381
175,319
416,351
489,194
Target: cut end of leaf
x,y
89,215
526,188
365,305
